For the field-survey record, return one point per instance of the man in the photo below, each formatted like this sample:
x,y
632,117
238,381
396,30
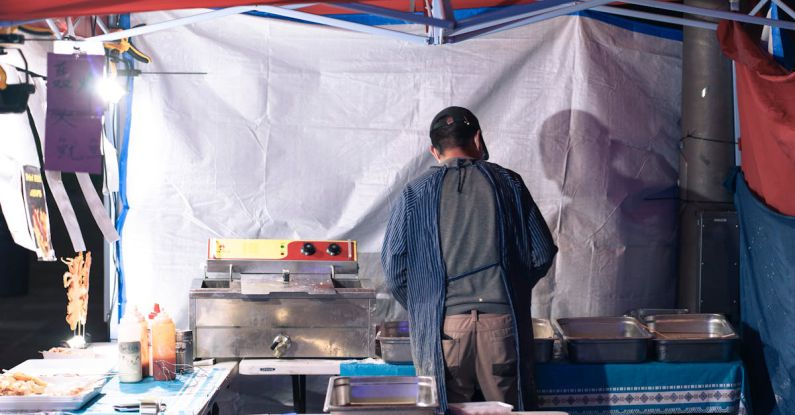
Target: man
x,y
464,246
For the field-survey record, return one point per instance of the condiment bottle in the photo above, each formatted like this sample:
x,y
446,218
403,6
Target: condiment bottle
x,y
149,320
145,355
164,347
129,340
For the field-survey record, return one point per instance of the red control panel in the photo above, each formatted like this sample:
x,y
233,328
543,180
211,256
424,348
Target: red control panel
x,y
281,250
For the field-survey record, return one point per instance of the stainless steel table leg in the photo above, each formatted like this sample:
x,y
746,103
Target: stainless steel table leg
x,y
299,393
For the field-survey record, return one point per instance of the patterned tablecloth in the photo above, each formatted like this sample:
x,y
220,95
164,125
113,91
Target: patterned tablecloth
x,y
189,394
621,388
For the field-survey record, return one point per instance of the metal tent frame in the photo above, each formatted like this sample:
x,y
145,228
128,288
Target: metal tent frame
x,y
444,28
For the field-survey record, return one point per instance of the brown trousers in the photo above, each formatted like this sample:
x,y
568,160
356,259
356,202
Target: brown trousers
x,y
480,349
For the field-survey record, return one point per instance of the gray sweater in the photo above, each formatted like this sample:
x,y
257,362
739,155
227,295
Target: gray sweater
x,y
468,233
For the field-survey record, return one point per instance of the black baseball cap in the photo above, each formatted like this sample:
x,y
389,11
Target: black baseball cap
x,y
459,115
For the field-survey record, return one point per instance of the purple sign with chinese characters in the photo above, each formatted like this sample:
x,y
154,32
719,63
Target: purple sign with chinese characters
x,y
74,113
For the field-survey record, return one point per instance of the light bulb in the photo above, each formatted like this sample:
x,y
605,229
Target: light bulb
x,y
110,91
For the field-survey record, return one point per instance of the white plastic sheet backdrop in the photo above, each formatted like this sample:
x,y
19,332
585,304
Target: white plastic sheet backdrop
x,y
302,131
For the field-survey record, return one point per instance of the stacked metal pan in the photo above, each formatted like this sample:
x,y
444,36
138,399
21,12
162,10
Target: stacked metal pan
x,y
692,337
604,339
667,337
544,339
395,342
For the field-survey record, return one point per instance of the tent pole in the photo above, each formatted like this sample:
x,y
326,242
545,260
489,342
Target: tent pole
x,y
509,14
70,27
54,29
718,14
356,27
576,7
656,17
706,159
787,9
182,21
101,24
758,7
394,14
440,9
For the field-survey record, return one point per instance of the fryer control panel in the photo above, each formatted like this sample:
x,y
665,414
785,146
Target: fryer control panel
x,y
281,249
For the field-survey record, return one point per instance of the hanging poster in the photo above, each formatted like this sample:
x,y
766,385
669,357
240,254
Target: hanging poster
x,y
74,114
37,214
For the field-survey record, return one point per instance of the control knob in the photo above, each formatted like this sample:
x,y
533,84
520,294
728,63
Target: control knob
x,y
333,250
308,249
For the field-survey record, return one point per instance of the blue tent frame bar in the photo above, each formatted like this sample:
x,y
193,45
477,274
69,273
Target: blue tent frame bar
x,y
651,16
561,11
508,15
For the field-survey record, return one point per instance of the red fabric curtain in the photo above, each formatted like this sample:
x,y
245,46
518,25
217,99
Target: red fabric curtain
x,y
766,101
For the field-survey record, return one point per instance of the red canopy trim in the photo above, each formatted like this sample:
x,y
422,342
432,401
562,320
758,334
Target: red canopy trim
x,y
12,10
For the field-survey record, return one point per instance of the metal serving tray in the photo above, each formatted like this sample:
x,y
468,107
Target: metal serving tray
x,y
367,395
544,339
692,337
604,339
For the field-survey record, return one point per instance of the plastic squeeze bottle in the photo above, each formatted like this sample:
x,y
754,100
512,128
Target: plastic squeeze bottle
x,y
150,319
164,347
129,365
144,342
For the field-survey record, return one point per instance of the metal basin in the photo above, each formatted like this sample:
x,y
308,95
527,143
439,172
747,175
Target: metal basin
x,y
544,339
604,339
692,337
381,394
215,284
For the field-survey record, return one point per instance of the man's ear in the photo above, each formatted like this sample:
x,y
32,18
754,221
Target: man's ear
x,y
435,153
479,143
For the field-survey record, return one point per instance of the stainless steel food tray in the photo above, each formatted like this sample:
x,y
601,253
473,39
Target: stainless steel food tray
x,y
395,329
604,339
395,349
366,395
642,313
692,337
543,339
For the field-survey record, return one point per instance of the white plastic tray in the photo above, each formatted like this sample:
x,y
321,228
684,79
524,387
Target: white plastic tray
x,y
69,354
47,403
60,374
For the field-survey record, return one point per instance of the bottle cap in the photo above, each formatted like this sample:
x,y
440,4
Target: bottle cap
x,y
162,317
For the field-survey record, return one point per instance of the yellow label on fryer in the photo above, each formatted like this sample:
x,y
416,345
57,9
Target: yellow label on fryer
x,y
248,248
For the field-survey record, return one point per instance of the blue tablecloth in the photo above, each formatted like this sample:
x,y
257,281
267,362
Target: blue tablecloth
x,y
186,395
646,388
621,388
